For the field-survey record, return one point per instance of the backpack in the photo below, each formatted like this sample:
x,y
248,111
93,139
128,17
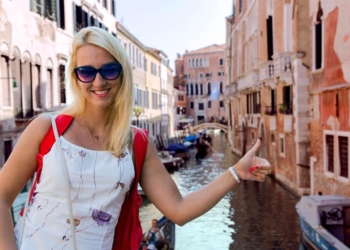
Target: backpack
x,y
128,232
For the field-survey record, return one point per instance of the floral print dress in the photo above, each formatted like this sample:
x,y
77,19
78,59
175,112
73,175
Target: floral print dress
x,y
99,182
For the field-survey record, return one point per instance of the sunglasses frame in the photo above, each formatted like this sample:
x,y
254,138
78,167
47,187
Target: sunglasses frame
x,y
98,71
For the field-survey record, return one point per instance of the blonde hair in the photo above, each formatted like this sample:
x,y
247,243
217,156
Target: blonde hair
x,y
118,125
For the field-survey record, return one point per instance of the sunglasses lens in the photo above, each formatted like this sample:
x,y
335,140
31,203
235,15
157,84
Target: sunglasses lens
x,y
111,71
86,74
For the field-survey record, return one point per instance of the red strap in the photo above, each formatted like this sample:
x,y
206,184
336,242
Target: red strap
x,y
62,122
128,233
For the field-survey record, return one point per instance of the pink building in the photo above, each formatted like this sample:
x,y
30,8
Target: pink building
x,y
203,71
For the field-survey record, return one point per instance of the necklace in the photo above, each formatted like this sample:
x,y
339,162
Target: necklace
x,y
92,133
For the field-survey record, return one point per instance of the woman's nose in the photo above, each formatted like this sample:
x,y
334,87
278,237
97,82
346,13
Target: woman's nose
x,y
99,80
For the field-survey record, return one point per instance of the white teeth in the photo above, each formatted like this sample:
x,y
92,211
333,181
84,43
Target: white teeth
x,y
101,92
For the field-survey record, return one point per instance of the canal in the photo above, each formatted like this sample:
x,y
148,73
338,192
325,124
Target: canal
x,y
252,216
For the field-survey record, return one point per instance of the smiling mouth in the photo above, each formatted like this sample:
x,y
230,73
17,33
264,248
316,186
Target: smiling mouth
x,y
100,92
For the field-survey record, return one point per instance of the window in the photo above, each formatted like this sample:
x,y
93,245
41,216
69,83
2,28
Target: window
x,y
180,98
191,105
201,89
221,104
253,135
113,8
208,75
209,89
343,156
5,80
154,100
196,88
187,90
282,145
272,138
60,15
49,91
209,104
253,103
330,153
240,6
105,3
221,88
61,71
181,110
269,27
318,37
201,106
221,62
271,110
220,73
191,88
200,75
287,106
7,149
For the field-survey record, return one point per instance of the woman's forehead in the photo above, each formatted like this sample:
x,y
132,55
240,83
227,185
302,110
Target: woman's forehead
x,y
91,54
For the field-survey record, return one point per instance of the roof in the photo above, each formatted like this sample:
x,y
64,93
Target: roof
x,y
128,34
157,51
208,49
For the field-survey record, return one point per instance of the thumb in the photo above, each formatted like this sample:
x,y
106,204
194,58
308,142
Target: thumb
x,y
256,146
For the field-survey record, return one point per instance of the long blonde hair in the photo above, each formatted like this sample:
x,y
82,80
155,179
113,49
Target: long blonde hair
x,y
118,124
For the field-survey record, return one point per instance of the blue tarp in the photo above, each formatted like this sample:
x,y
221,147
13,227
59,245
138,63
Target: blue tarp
x,y
191,138
177,148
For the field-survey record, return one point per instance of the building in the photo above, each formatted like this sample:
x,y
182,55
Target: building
x,y
267,92
329,96
202,72
34,48
153,84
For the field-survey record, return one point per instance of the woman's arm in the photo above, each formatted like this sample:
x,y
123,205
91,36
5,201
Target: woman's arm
x,y
163,192
18,169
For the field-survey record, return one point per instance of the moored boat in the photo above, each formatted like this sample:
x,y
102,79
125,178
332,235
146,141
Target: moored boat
x,y
325,221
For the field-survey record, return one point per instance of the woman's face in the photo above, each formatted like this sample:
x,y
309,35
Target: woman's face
x,y
99,93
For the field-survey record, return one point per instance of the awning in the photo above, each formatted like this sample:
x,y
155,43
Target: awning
x,y
186,120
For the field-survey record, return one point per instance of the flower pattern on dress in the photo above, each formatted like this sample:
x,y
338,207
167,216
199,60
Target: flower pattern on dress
x,y
82,153
101,218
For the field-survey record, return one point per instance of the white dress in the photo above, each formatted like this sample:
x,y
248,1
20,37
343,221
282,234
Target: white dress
x,y
99,182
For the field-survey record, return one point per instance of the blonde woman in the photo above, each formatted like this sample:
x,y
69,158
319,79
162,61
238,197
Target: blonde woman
x,y
99,163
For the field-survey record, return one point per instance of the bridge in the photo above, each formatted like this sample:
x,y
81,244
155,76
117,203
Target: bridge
x,y
201,126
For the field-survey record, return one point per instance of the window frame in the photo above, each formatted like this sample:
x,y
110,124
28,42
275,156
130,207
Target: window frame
x,y
282,137
336,174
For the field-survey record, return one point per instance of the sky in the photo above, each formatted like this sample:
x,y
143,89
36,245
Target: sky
x,y
175,26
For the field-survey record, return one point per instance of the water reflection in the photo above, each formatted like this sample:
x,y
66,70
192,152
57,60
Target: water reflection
x,y
252,216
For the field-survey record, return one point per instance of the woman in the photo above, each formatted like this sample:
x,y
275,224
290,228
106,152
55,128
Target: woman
x,y
100,167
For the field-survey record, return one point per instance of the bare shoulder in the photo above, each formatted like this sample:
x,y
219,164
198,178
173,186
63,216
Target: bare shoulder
x,y
39,126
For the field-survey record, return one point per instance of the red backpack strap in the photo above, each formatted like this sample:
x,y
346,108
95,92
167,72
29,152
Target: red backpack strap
x,y
62,122
128,233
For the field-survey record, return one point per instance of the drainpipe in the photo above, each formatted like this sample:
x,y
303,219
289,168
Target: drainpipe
x,y
312,176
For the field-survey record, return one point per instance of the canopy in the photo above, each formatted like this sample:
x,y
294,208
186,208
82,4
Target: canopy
x,y
186,120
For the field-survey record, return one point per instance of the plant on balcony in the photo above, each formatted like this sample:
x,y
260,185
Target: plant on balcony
x,y
285,108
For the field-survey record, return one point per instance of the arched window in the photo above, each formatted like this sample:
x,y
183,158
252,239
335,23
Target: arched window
x,y
200,63
187,89
201,89
197,63
196,88
209,104
209,88
189,63
191,89
193,63
221,88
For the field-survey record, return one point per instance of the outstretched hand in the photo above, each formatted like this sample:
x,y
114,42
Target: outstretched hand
x,y
251,167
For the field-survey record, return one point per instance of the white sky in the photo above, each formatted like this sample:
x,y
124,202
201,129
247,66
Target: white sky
x,y
174,26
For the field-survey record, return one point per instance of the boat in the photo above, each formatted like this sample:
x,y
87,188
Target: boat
x,y
168,228
170,162
325,221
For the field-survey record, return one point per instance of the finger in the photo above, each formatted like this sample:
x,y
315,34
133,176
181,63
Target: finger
x,y
262,171
256,146
259,177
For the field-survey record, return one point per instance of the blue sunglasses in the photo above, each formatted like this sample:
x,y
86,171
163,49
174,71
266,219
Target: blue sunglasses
x,y
109,71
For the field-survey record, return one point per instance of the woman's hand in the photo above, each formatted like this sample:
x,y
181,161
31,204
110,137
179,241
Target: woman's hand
x,y
251,167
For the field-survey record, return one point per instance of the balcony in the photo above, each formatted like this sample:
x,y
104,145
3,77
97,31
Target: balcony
x,y
249,81
267,71
271,110
283,67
